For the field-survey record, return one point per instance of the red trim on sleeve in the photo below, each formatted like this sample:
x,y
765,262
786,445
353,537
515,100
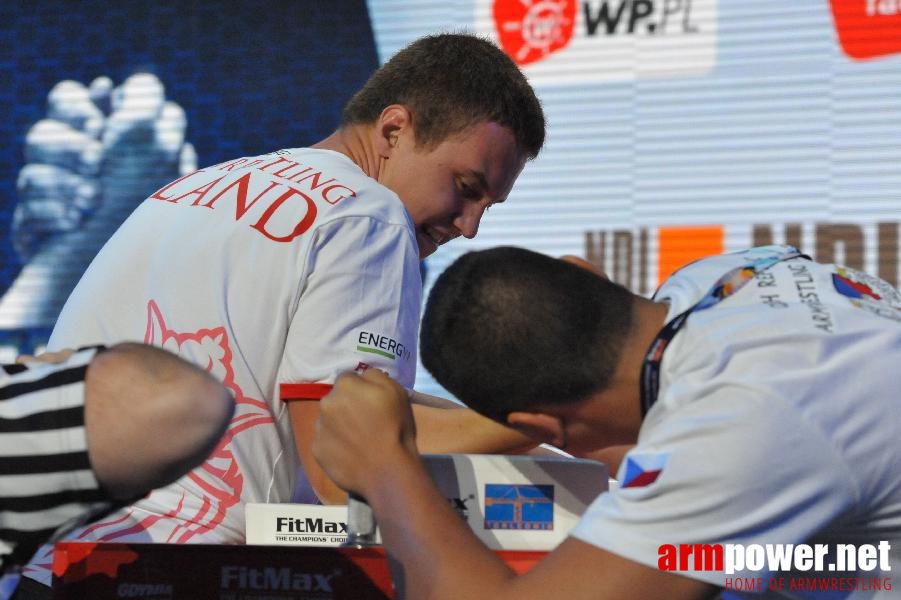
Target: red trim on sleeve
x,y
289,392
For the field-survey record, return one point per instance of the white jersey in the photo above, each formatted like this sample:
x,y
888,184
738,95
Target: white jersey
x,y
283,268
776,422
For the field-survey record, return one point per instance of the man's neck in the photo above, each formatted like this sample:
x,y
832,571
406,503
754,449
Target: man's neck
x,y
355,142
648,318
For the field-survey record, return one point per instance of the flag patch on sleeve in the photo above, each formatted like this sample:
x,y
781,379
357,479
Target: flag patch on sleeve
x,y
642,470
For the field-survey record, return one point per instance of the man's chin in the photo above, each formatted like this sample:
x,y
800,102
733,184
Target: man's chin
x,y
426,246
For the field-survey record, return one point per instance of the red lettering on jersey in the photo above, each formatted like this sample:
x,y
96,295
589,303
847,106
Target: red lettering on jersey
x,y
281,172
158,195
200,192
281,230
278,161
236,164
241,185
315,175
300,228
326,193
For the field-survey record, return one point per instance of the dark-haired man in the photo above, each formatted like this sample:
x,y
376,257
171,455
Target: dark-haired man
x,y
759,388
294,266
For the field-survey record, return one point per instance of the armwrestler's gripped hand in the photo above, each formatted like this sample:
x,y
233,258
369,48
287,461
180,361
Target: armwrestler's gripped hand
x,y
365,427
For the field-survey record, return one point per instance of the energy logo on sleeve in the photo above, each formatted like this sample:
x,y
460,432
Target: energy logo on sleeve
x,y
382,345
560,41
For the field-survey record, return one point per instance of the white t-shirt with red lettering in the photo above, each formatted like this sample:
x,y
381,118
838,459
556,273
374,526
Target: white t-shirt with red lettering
x,y
282,268
776,423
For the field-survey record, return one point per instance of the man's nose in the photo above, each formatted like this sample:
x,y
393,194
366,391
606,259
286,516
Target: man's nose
x,y
468,220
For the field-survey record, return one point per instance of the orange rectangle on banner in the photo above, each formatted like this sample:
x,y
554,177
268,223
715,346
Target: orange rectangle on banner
x,y
679,246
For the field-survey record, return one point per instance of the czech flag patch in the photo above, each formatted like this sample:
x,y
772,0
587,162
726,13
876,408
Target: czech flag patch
x,y
643,469
853,289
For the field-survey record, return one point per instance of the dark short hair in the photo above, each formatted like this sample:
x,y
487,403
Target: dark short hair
x,y
509,329
450,82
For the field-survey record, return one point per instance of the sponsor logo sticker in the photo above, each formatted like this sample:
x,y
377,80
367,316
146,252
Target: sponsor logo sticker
x,y
579,41
529,31
382,345
868,29
519,506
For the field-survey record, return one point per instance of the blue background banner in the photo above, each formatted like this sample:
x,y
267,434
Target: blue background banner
x,y
251,78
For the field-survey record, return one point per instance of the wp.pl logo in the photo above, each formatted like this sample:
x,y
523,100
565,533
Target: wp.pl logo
x,y
579,41
530,30
868,28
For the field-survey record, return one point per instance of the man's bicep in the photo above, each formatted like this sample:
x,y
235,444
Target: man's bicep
x,y
304,414
358,309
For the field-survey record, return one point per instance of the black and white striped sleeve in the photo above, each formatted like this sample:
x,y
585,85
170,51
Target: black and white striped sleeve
x,y
46,479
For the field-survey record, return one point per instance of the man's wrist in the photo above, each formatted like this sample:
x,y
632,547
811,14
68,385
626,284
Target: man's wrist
x,y
397,469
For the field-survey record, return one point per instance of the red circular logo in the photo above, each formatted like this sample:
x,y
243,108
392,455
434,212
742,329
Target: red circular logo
x,y
530,30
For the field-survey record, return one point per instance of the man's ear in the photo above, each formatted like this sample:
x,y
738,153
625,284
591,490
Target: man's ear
x,y
394,120
581,262
541,427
